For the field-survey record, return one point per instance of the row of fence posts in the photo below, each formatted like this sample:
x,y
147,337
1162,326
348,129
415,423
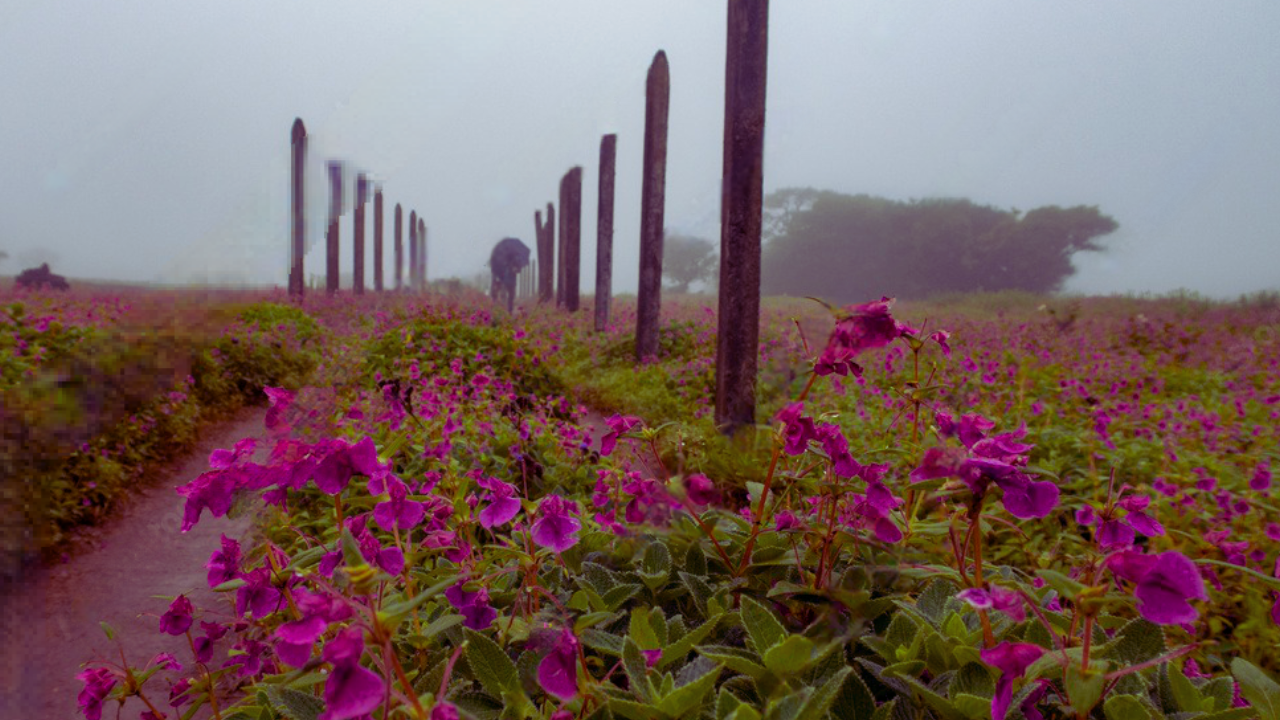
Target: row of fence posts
x,y
740,221
417,269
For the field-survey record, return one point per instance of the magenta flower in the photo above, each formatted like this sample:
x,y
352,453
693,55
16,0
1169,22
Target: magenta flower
x,y
341,460
212,490
503,503
351,690
98,683
1165,583
204,644
700,489
444,711
1012,660
797,430
1008,602
280,400
224,564
558,671
941,337
399,511
178,619
476,612
556,528
258,596
619,425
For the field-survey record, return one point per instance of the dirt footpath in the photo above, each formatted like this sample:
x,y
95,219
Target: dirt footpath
x,y
49,628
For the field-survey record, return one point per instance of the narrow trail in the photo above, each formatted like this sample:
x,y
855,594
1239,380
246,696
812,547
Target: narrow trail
x,y
49,627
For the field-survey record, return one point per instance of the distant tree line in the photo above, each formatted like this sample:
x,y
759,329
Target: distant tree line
x,y
852,247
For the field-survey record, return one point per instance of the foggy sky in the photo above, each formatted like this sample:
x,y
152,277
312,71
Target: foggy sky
x,y
140,138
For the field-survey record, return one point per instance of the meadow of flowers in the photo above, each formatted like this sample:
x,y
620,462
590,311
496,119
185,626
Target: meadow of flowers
x,y
949,512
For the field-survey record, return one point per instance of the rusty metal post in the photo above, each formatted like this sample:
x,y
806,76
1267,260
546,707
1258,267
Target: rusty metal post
x,y
560,234
399,250
571,210
377,240
604,230
652,206
413,250
298,248
737,344
422,255
357,236
331,237
546,254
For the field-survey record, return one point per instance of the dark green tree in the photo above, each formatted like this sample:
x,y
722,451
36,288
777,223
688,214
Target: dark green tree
x,y
851,247
686,260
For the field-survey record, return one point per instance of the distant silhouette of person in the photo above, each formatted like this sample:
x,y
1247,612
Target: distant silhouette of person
x,y
508,258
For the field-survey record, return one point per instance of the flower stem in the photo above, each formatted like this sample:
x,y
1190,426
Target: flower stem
x,y
764,494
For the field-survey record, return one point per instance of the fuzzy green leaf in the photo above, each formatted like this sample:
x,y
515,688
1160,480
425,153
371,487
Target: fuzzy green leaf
x,y
816,707
762,625
492,667
1125,707
633,664
295,704
854,702
686,698
1258,688
790,656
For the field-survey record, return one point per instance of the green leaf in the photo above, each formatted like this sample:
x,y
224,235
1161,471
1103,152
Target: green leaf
x,y
699,590
682,701
1125,707
744,712
1137,642
657,559
294,704
695,561
597,577
726,703
736,659
1185,695
232,584
634,710
762,625
1065,586
490,663
601,641
1084,689
110,631
790,656
1258,688
404,607
633,664
932,603
854,702
971,706
641,631
816,707
618,595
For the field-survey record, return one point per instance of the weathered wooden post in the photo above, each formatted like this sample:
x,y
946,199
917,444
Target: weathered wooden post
x,y
571,211
377,240
652,205
357,236
331,237
546,254
422,254
559,233
399,248
741,213
298,248
413,250
604,230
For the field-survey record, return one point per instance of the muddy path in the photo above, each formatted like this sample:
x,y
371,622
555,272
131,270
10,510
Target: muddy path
x,y
49,627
